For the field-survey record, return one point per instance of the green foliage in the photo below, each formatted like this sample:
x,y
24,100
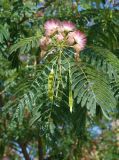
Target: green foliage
x,y
25,45
4,33
91,88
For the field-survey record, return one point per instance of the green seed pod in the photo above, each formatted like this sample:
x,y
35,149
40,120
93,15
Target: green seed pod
x,y
70,98
70,92
51,85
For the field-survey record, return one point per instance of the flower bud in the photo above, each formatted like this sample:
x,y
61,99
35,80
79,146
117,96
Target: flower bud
x,y
44,42
59,37
70,38
77,48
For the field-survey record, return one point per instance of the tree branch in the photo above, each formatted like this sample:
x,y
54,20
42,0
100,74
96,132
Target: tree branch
x,y
24,151
40,149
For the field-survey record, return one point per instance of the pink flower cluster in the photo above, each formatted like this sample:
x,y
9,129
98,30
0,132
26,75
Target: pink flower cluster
x,y
63,31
